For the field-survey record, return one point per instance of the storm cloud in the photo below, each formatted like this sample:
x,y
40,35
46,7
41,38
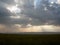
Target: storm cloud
x,y
46,12
24,12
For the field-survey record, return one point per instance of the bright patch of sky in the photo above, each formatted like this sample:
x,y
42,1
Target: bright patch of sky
x,y
14,9
52,0
36,3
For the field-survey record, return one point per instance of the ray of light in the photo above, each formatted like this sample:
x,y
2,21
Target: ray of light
x,y
14,9
35,4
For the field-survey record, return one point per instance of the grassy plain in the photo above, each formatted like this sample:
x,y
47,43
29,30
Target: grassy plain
x,y
18,39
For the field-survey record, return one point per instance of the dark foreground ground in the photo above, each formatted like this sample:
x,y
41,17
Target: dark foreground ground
x,y
30,39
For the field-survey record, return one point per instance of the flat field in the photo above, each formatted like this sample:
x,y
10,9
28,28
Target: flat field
x,y
18,39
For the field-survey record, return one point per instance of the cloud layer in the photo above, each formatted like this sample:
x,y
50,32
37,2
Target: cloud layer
x,y
43,13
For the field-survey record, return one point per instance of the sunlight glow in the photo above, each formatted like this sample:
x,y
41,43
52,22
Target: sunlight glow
x,y
18,28
17,25
58,1
29,25
14,9
52,2
49,28
15,17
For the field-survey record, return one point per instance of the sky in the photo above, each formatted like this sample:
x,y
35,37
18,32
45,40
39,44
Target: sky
x,y
25,16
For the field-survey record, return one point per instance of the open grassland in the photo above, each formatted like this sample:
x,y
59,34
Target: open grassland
x,y
17,39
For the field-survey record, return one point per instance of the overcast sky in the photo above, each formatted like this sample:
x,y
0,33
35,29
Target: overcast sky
x,y
29,16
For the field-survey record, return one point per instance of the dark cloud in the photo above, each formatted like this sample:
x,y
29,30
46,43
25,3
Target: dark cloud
x,y
4,15
39,16
10,2
44,13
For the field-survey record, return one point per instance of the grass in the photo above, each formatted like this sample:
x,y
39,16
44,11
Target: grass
x,y
17,39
